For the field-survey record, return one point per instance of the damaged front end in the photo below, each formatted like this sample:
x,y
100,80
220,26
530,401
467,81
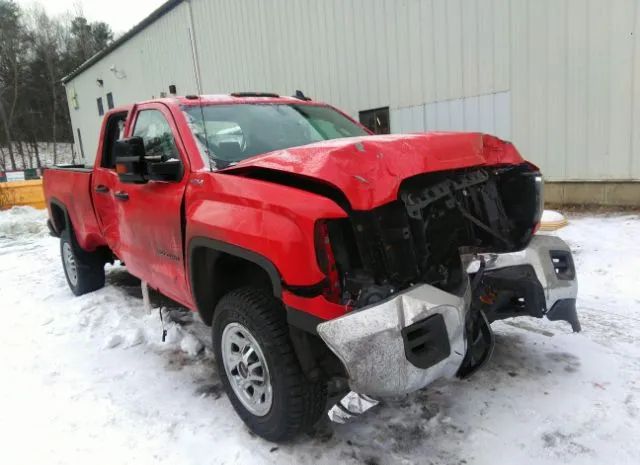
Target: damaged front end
x,y
426,274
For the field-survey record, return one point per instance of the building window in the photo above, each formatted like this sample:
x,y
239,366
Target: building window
x,y
376,120
109,100
100,107
80,143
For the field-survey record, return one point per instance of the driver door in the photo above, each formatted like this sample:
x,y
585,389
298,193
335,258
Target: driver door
x,y
150,215
104,180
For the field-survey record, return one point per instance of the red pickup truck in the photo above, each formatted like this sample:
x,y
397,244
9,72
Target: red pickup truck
x,y
318,252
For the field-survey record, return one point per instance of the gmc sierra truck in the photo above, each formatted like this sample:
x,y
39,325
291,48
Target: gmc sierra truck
x,y
320,254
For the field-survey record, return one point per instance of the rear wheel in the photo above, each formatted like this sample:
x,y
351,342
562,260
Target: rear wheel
x,y
259,368
84,270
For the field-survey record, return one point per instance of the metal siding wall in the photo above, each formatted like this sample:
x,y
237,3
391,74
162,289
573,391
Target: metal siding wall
x,y
574,93
152,60
490,113
559,77
634,121
620,100
357,54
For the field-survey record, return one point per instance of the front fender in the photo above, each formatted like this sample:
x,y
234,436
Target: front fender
x,y
271,220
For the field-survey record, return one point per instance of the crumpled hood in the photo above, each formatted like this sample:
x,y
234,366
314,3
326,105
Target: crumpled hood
x,y
369,170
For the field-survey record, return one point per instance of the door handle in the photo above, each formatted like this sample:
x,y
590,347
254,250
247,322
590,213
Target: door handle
x,y
102,189
120,195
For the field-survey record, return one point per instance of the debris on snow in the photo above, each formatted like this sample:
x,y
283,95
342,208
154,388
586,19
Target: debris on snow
x,y
190,345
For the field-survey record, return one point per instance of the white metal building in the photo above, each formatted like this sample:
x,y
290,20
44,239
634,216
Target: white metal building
x,y
560,78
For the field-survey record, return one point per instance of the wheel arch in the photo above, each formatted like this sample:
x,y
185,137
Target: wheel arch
x,y
59,216
208,258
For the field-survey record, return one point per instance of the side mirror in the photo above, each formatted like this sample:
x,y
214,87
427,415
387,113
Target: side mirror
x,y
134,166
163,170
130,162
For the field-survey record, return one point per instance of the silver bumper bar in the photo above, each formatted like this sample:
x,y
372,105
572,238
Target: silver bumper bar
x,y
375,343
370,344
540,255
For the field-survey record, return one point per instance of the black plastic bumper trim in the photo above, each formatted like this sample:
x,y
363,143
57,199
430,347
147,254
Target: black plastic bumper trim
x,y
52,231
565,310
563,264
426,342
303,320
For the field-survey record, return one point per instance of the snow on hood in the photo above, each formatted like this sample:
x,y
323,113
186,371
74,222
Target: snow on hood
x,y
21,222
369,169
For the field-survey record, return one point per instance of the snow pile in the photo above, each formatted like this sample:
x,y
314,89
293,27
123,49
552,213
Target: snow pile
x,y
91,380
552,216
552,220
22,222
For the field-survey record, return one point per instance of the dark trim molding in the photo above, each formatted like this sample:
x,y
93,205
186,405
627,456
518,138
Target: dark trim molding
x,y
311,290
303,320
237,251
59,204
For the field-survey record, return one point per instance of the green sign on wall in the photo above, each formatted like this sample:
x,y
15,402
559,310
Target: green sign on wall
x,y
31,174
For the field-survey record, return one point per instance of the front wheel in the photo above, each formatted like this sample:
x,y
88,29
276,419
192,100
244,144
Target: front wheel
x,y
259,368
84,270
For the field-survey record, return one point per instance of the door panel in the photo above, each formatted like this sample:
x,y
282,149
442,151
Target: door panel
x,y
150,224
104,181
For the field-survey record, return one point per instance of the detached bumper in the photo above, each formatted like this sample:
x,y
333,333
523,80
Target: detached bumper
x,y
402,344
419,335
552,261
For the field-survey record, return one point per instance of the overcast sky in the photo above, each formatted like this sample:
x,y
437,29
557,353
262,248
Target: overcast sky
x,y
121,15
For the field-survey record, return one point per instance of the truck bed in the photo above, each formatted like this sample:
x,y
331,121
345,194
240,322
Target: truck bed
x,y
67,191
74,167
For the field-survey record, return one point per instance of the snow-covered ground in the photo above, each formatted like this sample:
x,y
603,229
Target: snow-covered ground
x,y
87,380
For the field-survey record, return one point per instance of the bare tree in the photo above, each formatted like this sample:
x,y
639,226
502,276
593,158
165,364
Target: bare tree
x,y
36,52
3,163
7,130
10,65
46,45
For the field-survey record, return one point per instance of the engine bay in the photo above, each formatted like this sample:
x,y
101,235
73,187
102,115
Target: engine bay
x,y
420,237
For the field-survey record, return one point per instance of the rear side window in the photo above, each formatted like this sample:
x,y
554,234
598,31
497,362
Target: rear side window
x,y
156,133
113,132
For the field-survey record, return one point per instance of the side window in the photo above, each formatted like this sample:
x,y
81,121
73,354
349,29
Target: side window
x,y
156,133
113,132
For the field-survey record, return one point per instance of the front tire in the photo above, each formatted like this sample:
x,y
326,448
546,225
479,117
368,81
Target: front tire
x,y
84,270
259,368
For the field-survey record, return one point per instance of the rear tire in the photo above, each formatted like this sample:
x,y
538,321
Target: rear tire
x,y
252,322
84,270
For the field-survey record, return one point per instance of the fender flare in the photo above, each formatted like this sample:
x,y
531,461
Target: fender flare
x,y
67,221
237,251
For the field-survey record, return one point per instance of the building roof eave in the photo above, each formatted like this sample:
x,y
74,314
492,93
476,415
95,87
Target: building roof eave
x,y
156,14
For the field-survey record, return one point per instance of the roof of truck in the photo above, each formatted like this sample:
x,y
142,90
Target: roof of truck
x,y
226,99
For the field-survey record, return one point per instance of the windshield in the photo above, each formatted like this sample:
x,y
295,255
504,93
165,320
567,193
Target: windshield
x,y
227,134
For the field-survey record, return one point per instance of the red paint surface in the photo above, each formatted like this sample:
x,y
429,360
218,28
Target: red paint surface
x,y
369,169
272,220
